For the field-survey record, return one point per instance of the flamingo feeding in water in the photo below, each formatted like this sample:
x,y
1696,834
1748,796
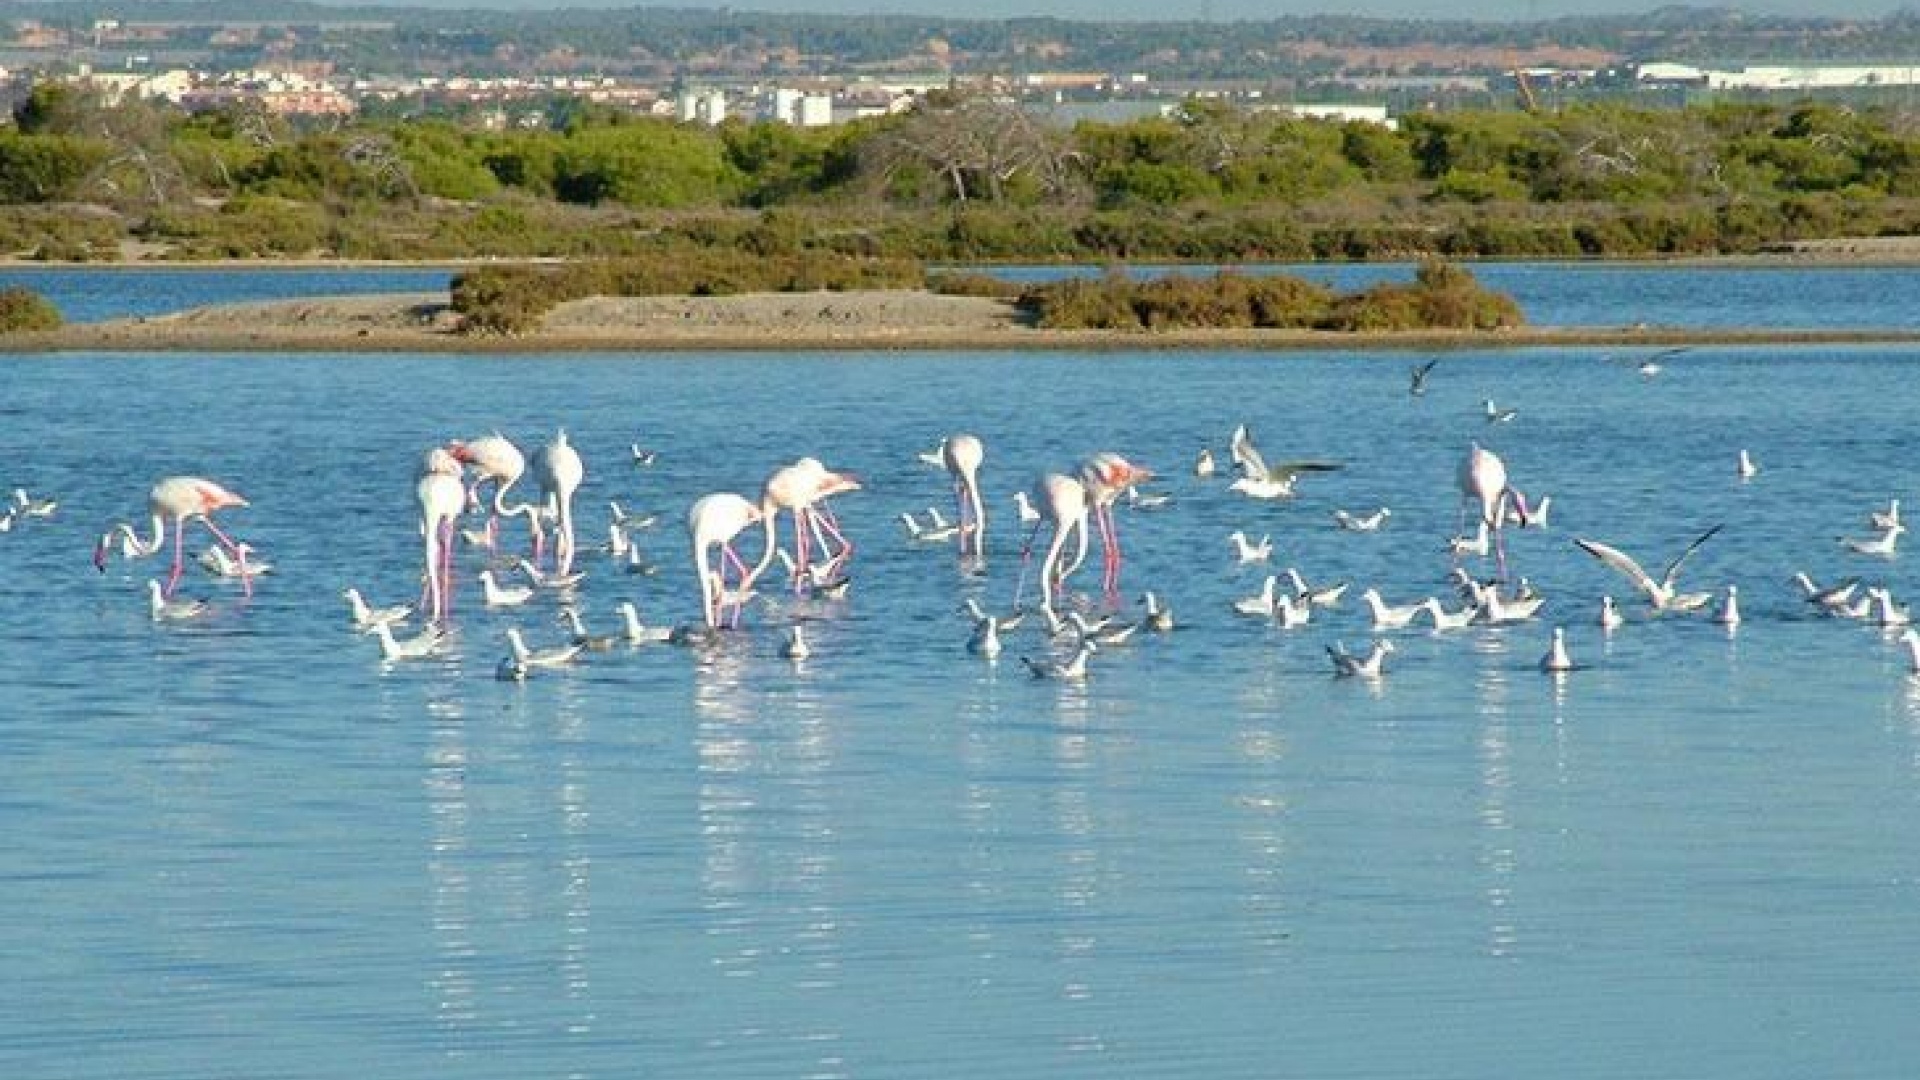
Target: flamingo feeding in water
x,y
1105,476
713,522
1063,504
962,455
558,470
802,488
178,499
494,458
1483,480
442,496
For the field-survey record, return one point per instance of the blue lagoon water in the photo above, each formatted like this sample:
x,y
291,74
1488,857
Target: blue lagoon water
x,y
244,846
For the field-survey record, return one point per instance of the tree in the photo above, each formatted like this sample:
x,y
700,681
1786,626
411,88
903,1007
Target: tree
x,y
978,145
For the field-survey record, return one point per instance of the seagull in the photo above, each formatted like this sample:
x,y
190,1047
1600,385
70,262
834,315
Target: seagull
x,y
1497,610
927,534
629,520
1028,515
1203,465
1496,415
1326,596
795,646
1745,467
985,639
1356,523
1370,666
1159,617
425,643
1535,518
365,616
638,633
217,562
1884,613
1729,613
1479,546
642,458
638,564
1153,500
1292,612
1417,384
1557,662
1650,366
1832,598
617,543
972,609
1660,593
496,595
1888,518
1074,668
7,519
553,656
1260,605
28,506
1388,617
1610,617
1258,480
1448,620
936,457
1882,545
1248,552
165,610
580,637
1105,633
1912,641
543,580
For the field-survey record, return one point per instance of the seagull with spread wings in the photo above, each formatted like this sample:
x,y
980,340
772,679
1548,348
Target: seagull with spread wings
x,y
1662,592
1259,480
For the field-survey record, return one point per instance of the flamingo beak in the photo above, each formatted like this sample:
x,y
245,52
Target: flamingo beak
x,y
844,482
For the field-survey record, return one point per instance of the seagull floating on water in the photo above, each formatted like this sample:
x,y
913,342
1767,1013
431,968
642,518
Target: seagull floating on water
x,y
1357,523
1557,662
30,507
1248,552
638,633
795,647
1885,614
421,645
1159,617
551,656
1479,546
985,639
1448,620
1610,617
1729,613
1888,518
1912,640
1746,469
1261,604
1387,616
1882,545
1831,598
1203,465
1326,596
577,629
1496,415
365,616
1370,666
165,610
217,562
1073,668
496,595
555,580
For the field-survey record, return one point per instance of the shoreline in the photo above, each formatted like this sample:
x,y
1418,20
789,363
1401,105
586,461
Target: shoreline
x,y
874,321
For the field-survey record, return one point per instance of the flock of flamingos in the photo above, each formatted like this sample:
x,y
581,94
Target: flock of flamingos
x,y
472,480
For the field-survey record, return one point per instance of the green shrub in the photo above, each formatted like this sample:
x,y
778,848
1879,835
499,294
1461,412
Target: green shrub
x,y
23,309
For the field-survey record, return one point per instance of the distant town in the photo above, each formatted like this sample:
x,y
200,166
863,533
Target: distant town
x,y
503,70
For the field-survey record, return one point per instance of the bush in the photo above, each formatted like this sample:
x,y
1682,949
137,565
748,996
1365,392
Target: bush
x,y
23,309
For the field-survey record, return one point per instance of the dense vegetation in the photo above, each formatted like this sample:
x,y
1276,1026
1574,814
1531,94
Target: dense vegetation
x,y
959,179
23,309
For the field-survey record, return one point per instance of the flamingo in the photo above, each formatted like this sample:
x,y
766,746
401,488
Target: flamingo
x,y
801,487
558,469
442,496
178,499
1063,504
962,455
1483,478
713,522
1105,476
495,459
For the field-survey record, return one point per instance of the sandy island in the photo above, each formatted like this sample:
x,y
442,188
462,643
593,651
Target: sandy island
x,y
879,320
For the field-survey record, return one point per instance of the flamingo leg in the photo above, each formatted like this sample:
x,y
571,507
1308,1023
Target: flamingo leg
x,y
1026,563
823,519
1109,550
246,578
179,542
446,569
730,557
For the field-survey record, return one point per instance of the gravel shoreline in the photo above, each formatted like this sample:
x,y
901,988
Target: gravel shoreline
x,y
876,320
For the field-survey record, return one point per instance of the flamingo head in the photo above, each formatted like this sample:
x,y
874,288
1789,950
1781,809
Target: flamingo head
x,y
460,452
836,483
100,552
1520,508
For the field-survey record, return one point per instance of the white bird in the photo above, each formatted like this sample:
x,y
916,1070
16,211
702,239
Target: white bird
x,y
420,645
1104,633
985,639
1159,617
1203,465
1830,598
939,532
1292,612
577,628
1073,668
1745,467
1448,620
617,543
642,457
638,633
217,562
1370,666
795,647
1729,613
976,613
1259,480
556,580
1660,593
1261,604
1498,610
1556,661
936,457
1912,641
1153,500
496,595
1358,523
165,610
1882,545
1535,517
1610,617
1248,552
551,656
1498,415
1028,515
365,616
1326,596
1860,608
1479,546
638,563
30,507
1888,518
1885,614
1389,617
627,520
7,520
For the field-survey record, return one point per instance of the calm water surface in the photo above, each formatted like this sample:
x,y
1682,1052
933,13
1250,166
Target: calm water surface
x,y
244,847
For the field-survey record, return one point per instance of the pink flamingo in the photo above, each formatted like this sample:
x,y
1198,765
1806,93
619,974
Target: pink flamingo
x,y
559,471
714,521
803,488
442,496
1106,477
495,459
1063,502
178,499
1483,479
962,455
